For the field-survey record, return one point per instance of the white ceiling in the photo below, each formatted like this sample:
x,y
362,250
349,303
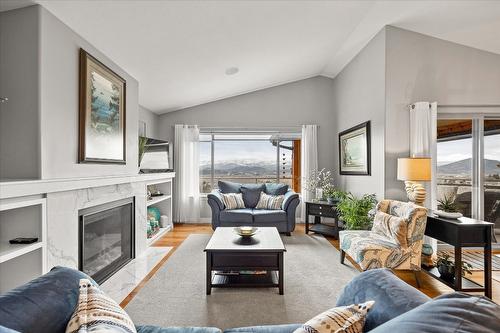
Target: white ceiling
x,y
179,50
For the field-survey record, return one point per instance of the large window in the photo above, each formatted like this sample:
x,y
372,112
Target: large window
x,y
249,158
468,165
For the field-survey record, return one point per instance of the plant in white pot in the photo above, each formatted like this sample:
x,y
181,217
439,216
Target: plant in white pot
x,y
318,182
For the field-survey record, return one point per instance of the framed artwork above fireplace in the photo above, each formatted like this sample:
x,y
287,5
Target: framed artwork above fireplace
x,y
102,113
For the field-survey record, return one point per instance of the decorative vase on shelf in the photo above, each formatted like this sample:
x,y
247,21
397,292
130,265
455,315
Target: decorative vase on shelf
x,y
319,194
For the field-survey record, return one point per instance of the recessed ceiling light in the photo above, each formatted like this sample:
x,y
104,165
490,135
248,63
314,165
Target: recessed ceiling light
x,y
232,70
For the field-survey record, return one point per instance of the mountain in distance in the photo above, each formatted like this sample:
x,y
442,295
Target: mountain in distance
x,y
464,167
241,168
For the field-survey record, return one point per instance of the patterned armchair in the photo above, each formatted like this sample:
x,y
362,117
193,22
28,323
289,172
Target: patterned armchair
x,y
395,240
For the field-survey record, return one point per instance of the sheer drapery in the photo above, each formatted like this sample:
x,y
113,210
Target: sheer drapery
x,y
309,161
187,174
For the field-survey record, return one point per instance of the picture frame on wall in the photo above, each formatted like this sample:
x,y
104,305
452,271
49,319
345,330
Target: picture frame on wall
x,y
355,150
102,114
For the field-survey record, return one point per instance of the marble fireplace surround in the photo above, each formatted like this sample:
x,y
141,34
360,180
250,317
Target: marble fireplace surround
x,y
64,199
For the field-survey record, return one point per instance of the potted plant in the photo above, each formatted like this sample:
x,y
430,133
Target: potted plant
x,y
447,204
446,267
354,211
317,182
330,193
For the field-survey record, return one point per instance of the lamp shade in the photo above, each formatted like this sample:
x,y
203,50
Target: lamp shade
x,y
414,169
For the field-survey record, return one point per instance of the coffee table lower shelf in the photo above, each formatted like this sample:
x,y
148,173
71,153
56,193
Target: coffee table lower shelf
x,y
268,280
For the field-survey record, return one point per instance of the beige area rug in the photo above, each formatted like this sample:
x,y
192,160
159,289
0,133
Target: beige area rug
x,y
175,295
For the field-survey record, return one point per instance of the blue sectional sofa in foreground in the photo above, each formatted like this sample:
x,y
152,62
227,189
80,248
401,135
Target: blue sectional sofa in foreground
x,y
47,303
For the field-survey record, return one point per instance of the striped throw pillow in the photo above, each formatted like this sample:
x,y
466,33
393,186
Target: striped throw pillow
x,y
341,319
272,202
96,312
233,200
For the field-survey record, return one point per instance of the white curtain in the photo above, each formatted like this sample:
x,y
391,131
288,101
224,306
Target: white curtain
x,y
423,143
187,174
309,161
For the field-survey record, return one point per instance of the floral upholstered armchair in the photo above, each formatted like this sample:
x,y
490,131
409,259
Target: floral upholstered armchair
x,y
395,240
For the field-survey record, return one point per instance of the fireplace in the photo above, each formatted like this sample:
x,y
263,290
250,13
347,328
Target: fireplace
x,y
106,238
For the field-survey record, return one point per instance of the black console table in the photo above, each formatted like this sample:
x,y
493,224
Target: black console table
x,y
320,209
462,232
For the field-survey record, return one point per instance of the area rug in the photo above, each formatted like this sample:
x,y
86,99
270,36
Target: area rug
x,y
175,295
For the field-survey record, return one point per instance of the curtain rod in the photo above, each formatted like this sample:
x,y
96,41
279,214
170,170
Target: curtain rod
x,y
412,106
255,129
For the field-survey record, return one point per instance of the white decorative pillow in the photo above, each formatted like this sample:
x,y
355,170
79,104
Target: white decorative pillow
x,y
233,200
273,202
96,312
342,319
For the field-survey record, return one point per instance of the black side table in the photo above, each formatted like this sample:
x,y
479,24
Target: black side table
x,y
320,209
463,232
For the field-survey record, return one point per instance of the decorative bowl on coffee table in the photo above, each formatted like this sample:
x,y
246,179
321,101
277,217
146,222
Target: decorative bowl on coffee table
x,y
246,231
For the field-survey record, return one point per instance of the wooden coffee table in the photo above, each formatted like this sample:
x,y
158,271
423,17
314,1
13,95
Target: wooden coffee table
x,y
230,257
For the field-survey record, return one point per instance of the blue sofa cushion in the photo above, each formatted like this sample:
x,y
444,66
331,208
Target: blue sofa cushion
x,y
237,215
264,215
276,188
451,313
4,329
392,296
44,304
288,328
156,329
251,194
228,187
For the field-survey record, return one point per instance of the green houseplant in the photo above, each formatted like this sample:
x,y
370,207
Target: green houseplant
x,y
354,211
446,267
447,203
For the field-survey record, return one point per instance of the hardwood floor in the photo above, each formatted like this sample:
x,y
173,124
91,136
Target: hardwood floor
x,y
429,286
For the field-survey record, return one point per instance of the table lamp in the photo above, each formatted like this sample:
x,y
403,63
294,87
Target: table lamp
x,y
414,170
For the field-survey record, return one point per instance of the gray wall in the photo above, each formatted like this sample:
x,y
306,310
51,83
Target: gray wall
x,y
423,68
359,96
19,81
59,54
303,102
152,121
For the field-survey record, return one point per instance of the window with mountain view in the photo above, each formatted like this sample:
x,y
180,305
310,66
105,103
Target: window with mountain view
x,y
249,158
456,157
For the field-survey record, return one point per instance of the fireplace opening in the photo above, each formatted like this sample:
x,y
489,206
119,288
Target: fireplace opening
x,y
106,238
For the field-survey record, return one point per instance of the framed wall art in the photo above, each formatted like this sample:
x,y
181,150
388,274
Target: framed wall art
x,y
355,150
102,113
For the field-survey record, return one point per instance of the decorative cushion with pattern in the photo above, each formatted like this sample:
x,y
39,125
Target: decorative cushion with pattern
x,y
96,312
272,202
233,200
342,319
393,227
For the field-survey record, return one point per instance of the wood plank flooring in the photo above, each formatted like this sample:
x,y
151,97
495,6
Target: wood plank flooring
x,y
429,286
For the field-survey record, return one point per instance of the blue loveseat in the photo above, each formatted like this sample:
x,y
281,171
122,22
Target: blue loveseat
x,y
283,219
46,304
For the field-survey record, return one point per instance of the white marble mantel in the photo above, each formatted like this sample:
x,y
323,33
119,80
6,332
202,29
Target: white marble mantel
x,y
65,197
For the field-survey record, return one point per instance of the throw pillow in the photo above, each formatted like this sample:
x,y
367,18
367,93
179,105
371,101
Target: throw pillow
x,y
276,188
233,200
96,312
228,187
273,202
341,319
251,194
392,227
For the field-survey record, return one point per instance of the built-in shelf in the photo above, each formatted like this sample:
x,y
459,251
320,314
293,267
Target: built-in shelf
x,y
158,199
158,234
10,251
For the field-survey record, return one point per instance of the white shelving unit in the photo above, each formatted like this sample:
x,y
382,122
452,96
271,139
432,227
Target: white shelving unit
x,y
20,263
163,203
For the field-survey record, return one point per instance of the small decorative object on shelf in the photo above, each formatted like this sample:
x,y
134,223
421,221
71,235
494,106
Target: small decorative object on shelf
x,y
24,240
446,267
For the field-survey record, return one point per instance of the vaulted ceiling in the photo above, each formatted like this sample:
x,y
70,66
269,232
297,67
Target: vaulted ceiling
x,y
179,51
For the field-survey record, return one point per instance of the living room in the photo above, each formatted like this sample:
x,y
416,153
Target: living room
x,y
249,166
